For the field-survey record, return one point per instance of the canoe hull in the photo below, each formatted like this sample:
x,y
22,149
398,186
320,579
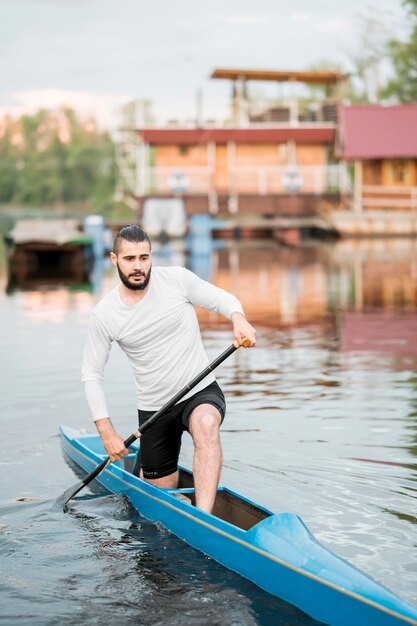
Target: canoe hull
x,y
278,553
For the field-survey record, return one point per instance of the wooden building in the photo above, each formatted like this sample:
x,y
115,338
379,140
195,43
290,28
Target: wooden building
x,y
242,170
275,160
381,144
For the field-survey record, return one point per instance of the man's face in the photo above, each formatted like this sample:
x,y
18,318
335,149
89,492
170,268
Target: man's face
x,y
134,264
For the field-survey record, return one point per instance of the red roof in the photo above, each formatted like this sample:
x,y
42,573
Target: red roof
x,y
238,135
378,132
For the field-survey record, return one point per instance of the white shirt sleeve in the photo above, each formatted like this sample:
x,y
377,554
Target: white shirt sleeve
x,y
210,297
96,354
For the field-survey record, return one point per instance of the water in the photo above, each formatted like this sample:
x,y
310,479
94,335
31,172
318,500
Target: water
x,y
322,421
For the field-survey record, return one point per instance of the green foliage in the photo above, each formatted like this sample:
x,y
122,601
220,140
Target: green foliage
x,y
404,59
53,158
403,54
8,168
412,6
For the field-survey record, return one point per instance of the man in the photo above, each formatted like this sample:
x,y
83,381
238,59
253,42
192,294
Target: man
x,y
150,314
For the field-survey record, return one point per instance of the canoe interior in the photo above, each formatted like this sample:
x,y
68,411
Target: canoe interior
x,y
228,506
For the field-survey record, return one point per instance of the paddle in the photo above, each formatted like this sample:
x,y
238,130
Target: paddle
x,y
70,493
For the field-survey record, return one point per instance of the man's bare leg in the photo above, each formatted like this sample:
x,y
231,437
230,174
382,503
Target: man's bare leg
x,y
204,428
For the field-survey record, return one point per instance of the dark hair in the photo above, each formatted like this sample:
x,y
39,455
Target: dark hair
x,y
130,232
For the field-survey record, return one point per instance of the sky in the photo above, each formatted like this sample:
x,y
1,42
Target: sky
x,y
96,55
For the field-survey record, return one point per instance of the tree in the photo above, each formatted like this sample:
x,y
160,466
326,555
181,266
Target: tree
x,y
53,157
8,163
371,49
403,55
371,44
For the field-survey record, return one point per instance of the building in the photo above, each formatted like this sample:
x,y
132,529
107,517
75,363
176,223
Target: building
x,y
379,144
270,159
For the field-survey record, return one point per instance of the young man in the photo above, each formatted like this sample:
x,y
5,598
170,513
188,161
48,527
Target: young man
x,y
150,314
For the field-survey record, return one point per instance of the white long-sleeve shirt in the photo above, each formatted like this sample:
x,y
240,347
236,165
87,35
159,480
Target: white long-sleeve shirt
x,y
159,334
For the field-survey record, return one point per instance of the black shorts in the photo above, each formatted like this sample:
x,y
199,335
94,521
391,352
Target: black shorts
x,y
160,444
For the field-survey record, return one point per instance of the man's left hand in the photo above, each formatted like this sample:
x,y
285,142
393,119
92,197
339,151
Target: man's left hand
x,y
245,334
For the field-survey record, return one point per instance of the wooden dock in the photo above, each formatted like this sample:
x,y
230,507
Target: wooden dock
x,y
387,223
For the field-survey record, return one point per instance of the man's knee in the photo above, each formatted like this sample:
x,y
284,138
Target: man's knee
x,y
205,424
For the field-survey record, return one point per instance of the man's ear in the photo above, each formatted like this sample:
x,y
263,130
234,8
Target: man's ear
x,y
113,258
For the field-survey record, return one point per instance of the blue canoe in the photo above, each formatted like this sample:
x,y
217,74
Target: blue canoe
x,y
275,551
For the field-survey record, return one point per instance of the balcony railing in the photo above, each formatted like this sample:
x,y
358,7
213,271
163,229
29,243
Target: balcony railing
x,y
289,179
184,180
261,180
380,197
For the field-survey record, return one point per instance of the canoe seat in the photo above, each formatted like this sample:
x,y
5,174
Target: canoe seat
x,y
183,497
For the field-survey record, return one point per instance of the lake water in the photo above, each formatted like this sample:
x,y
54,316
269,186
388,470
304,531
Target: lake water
x,y
322,421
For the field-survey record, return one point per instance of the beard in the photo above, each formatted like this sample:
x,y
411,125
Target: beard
x,y
135,286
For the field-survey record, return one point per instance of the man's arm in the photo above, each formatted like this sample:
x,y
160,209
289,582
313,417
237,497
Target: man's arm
x,y
96,354
208,296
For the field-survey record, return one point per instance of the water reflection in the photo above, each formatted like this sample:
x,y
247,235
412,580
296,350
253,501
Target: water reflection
x,y
29,268
279,285
377,273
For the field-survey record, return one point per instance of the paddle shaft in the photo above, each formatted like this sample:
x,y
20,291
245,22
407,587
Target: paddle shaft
x,y
92,475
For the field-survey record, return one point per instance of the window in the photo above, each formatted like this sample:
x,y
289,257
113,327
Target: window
x,y
372,174
399,171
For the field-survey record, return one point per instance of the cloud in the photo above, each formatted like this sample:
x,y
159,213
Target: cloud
x,y
301,17
243,20
332,25
55,3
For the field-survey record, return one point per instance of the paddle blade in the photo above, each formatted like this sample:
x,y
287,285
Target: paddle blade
x,y
63,500
70,493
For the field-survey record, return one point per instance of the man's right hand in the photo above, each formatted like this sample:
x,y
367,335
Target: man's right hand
x,y
113,443
115,447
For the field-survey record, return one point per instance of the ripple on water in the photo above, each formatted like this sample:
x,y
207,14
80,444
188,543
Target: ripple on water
x,y
103,563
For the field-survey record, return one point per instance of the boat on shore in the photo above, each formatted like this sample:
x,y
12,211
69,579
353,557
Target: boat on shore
x,y
48,251
275,551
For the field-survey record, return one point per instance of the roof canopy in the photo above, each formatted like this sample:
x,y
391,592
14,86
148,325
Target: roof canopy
x,y
319,77
377,132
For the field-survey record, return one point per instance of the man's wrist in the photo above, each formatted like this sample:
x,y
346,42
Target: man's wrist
x,y
105,427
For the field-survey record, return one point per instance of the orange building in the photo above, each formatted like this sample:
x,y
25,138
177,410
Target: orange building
x,y
227,169
266,161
